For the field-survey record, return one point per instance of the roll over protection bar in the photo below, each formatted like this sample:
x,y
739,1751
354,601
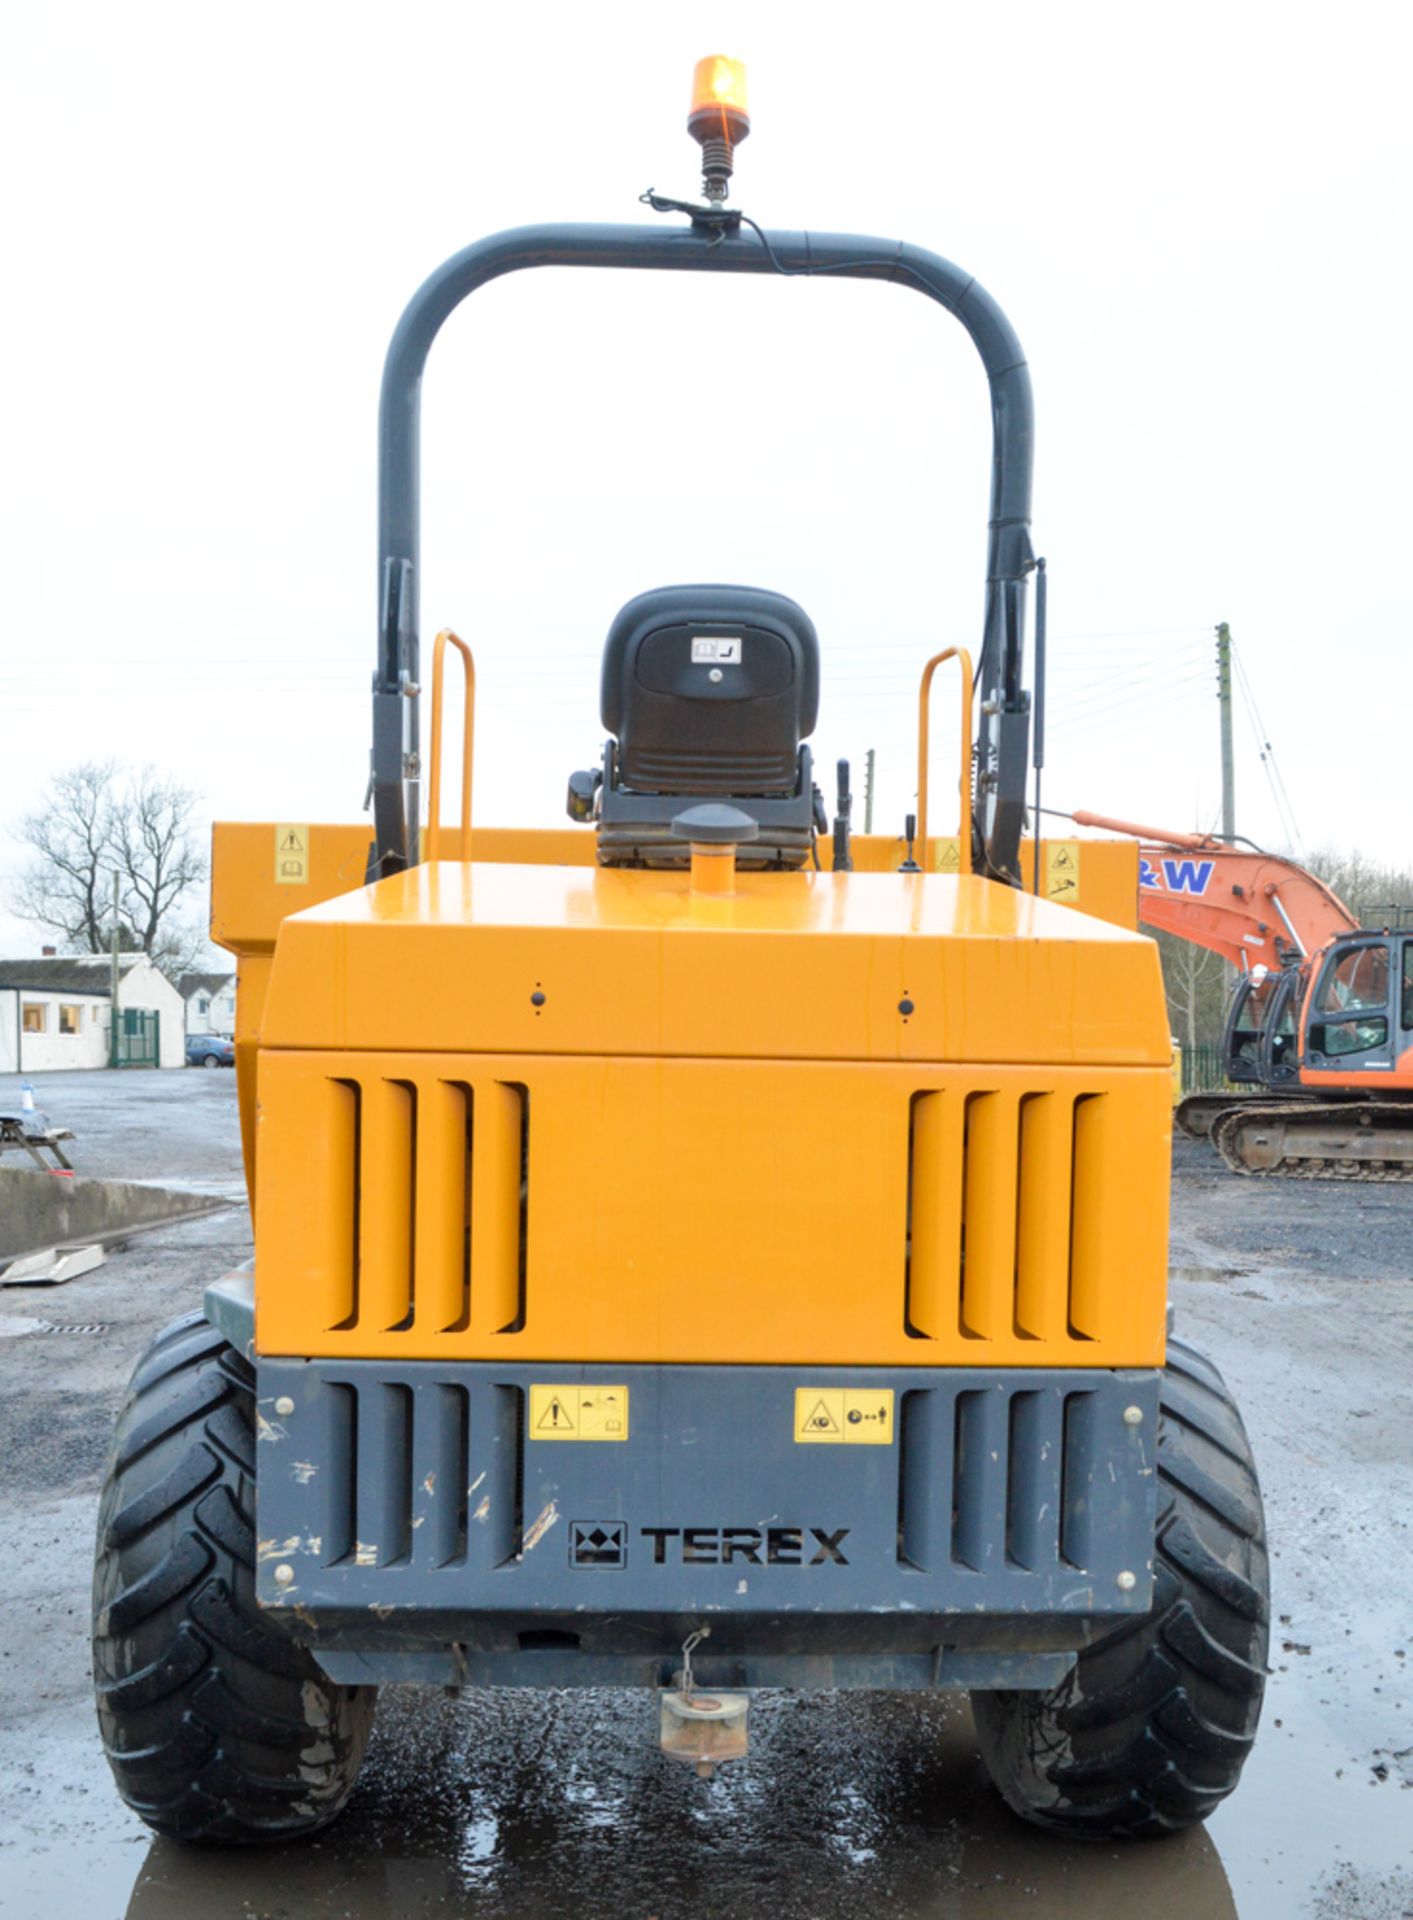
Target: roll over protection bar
x,y
1003,735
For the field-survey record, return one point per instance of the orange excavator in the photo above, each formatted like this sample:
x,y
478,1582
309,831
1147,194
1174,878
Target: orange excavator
x,y
1319,1031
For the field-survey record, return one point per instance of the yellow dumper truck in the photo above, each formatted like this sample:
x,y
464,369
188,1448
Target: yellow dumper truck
x,y
695,1248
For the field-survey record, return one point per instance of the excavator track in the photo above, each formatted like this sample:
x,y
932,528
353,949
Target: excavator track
x,y
1197,1113
1318,1140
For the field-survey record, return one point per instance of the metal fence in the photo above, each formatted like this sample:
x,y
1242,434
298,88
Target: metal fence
x,y
1393,916
1204,1069
138,1038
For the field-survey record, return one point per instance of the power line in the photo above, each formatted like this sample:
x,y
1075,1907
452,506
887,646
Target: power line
x,y
1098,704
1183,694
863,657
1086,673
1267,753
1133,633
1081,699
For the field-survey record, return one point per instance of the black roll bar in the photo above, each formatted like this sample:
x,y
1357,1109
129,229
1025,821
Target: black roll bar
x,y
1005,706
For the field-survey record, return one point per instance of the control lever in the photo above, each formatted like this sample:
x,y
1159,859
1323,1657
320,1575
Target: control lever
x,y
843,808
910,865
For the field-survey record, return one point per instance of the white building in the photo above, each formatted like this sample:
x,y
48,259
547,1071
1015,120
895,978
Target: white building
x,y
210,1002
54,1013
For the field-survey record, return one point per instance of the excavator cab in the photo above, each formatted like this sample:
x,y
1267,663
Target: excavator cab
x,y
1246,1026
1355,1021
1319,1031
1280,1046
1261,1041
1330,1043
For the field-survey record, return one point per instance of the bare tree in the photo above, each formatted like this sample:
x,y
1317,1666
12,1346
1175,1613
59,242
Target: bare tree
x,y
1196,990
67,887
98,819
157,858
1363,884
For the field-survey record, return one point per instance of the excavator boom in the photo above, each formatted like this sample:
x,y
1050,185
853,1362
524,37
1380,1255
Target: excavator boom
x,y
1250,907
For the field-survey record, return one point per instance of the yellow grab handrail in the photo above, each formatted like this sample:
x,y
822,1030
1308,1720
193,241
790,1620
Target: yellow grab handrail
x,y
434,789
924,707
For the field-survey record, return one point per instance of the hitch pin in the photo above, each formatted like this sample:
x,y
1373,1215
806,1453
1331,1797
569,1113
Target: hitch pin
x,y
685,1678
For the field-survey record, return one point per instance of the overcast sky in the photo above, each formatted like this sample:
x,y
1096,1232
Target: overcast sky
x,y
1197,218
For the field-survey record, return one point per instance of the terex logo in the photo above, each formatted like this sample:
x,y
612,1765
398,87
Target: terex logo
x,y
1175,876
756,1546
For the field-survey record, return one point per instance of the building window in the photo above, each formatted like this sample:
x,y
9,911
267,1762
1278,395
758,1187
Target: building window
x,y
70,1019
35,1017
203,1005
93,1016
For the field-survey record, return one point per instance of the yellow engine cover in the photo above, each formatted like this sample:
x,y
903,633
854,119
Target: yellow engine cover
x,y
858,1119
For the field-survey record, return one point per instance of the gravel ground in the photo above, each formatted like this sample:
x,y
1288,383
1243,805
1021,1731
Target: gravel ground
x,y
557,1804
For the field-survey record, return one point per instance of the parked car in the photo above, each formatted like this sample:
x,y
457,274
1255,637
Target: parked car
x,y
209,1050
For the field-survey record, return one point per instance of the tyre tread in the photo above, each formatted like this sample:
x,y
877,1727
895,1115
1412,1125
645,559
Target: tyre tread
x,y
218,1727
1150,1729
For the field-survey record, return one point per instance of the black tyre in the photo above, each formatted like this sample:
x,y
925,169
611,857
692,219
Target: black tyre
x,y
1150,1729
211,1060
217,1726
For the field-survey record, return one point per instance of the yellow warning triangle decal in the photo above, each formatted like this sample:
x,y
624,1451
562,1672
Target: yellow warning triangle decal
x,y
821,1420
556,1418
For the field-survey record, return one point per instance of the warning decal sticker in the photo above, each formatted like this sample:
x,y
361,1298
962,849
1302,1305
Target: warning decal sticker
x,y
291,856
1062,870
844,1416
947,854
578,1413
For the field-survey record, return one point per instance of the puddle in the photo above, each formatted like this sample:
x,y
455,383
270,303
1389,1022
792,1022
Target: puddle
x,y
1325,1806
513,1806
527,1805
1210,1275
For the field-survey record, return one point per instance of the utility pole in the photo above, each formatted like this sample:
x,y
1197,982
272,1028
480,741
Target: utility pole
x,y
113,982
868,791
1228,758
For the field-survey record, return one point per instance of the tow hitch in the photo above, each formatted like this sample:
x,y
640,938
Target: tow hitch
x,y
702,1728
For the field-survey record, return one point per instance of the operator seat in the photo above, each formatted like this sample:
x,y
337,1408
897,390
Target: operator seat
x,y
708,694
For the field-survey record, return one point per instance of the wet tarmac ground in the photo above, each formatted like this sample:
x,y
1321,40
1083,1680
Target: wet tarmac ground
x,y
558,1804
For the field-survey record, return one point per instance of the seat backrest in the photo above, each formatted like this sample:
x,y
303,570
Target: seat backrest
x,y
710,690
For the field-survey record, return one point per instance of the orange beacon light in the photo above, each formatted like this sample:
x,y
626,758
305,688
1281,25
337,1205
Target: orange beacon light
x,y
719,119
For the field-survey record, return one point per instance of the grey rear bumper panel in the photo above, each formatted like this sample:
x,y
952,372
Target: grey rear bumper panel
x,y
410,1528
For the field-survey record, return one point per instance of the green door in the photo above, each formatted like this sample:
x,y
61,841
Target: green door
x,y
139,1037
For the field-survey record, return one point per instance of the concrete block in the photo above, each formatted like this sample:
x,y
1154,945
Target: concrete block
x,y
39,1210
